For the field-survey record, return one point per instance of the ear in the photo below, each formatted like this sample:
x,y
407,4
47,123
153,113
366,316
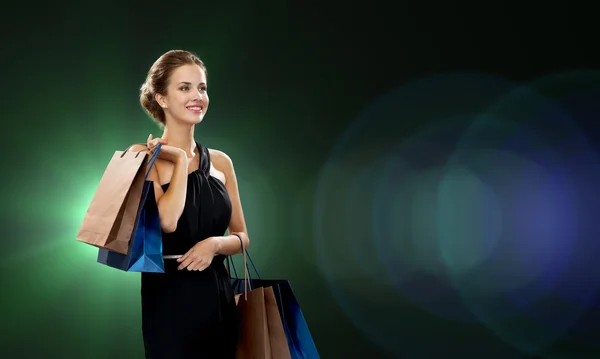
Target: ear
x,y
162,101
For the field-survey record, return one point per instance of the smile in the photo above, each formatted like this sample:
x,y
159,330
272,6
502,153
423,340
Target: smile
x,y
195,108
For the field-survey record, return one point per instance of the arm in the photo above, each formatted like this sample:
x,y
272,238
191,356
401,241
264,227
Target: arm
x,y
201,255
229,245
170,203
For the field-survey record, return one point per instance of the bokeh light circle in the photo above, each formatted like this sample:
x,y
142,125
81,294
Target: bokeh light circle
x,y
360,199
468,220
528,148
405,221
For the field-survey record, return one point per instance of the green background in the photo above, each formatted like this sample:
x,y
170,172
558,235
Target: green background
x,y
285,81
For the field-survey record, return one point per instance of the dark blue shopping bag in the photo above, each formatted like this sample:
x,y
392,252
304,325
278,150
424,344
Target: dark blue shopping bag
x,y
298,335
145,246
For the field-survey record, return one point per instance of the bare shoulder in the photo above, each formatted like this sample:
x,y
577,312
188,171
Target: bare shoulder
x,y
221,160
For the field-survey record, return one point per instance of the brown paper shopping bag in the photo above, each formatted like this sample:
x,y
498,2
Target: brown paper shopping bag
x,y
111,215
253,342
277,338
262,334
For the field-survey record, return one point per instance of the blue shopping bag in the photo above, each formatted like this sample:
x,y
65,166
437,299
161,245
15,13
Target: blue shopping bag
x,y
298,335
145,246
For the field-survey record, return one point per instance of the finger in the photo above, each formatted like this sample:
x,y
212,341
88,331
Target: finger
x,y
183,257
202,265
197,264
151,147
186,263
151,143
149,138
192,266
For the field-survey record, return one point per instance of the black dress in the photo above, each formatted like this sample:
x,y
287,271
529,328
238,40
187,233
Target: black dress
x,y
192,314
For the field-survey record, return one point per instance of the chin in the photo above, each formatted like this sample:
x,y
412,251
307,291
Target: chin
x,y
193,120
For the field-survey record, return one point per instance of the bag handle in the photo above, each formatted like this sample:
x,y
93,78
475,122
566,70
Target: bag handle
x,y
247,276
150,149
247,282
153,150
152,160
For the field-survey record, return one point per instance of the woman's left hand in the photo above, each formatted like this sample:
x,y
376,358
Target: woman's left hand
x,y
200,256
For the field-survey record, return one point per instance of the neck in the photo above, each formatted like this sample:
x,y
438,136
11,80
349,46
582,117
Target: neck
x,y
181,136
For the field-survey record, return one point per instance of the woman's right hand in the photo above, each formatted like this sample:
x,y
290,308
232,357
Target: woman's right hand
x,y
168,153
153,142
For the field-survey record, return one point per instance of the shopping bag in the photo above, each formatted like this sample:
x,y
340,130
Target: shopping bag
x,y
298,339
110,217
253,340
277,338
145,248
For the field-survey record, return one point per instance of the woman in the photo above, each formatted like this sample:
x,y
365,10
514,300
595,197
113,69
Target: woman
x,y
189,311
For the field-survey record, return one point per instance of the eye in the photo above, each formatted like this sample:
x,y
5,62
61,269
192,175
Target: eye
x,y
203,89
184,88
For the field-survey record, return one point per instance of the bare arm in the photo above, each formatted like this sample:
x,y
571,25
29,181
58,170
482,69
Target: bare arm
x,y
229,245
170,203
200,256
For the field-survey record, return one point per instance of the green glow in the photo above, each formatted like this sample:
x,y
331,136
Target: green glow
x,y
60,292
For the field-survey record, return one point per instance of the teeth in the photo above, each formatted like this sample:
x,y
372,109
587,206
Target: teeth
x,y
195,108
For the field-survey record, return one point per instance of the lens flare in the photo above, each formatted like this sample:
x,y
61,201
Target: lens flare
x,y
376,217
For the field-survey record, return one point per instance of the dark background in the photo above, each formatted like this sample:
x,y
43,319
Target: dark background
x,y
292,86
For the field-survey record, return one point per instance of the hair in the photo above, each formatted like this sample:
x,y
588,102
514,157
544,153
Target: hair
x,y
158,77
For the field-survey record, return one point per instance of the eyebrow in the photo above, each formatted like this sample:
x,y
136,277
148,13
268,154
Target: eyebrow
x,y
189,83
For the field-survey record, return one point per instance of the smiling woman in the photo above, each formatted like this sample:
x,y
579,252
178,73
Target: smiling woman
x,y
189,311
179,75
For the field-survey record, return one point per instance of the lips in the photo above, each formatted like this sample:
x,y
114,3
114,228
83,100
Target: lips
x,y
196,109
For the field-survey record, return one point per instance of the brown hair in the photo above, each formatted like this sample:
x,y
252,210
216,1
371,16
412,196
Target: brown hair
x,y
157,80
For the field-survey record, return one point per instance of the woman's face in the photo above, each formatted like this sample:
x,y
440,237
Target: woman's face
x,y
187,98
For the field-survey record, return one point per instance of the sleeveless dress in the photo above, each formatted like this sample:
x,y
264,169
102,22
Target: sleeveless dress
x,y
192,314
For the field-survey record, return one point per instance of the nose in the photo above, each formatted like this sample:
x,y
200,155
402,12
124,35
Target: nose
x,y
198,95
